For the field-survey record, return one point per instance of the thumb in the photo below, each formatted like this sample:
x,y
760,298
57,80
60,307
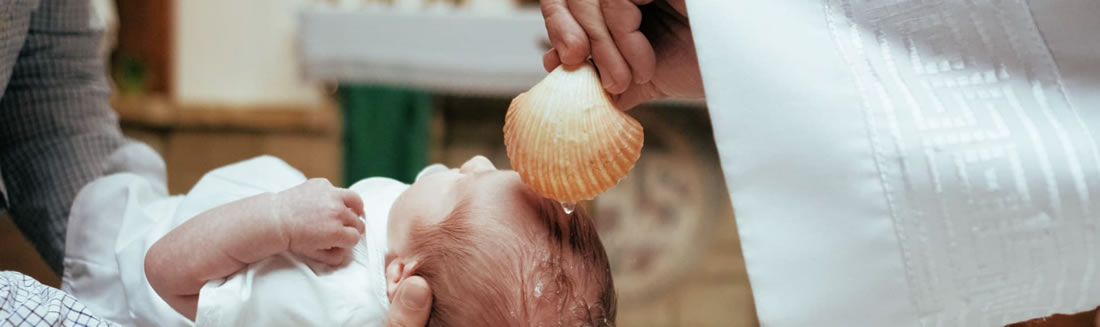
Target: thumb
x,y
412,305
635,95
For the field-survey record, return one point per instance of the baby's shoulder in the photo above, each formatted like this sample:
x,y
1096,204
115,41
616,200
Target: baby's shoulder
x,y
378,194
378,185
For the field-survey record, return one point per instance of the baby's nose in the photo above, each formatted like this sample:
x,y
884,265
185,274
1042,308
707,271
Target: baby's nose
x,y
477,164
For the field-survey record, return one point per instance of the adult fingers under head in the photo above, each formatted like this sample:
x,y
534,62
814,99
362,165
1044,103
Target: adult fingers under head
x,y
412,305
615,74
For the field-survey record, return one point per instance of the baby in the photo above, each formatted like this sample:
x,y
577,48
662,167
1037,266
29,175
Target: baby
x,y
493,252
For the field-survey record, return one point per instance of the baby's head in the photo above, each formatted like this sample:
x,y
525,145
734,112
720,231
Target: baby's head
x,y
497,254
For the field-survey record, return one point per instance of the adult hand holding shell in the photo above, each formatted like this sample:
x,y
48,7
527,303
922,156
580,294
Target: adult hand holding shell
x,y
566,138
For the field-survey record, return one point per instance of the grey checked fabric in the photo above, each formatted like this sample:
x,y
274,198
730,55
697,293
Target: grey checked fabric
x,y
56,128
26,302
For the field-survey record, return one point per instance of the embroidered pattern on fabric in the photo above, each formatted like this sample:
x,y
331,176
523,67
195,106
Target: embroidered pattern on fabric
x,y
985,164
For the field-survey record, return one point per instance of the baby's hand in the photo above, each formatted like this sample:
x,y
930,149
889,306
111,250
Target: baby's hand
x,y
319,221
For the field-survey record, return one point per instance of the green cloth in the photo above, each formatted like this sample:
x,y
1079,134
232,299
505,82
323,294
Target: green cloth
x,y
386,132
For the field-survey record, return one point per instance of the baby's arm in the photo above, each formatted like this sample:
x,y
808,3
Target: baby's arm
x,y
314,220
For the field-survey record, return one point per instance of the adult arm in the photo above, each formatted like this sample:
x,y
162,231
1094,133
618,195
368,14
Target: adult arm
x,y
56,128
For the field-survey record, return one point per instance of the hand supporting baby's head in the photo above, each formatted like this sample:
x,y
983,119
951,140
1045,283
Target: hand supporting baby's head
x,y
497,254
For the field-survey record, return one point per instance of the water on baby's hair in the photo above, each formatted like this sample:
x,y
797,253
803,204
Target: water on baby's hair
x,y
569,207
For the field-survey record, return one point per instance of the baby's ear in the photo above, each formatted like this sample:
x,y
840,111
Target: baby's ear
x,y
396,271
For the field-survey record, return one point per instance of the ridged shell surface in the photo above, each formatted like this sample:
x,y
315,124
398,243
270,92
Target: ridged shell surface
x,y
567,140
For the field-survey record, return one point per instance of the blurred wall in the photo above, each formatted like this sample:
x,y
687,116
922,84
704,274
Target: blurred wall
x,y
239,52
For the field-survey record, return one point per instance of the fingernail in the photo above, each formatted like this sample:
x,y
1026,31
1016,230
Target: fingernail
x,y
605,79
416,297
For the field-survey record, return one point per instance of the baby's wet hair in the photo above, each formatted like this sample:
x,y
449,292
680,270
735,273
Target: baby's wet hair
x,y
497,276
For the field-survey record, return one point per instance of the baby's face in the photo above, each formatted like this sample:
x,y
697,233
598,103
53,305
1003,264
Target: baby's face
x,y
433,197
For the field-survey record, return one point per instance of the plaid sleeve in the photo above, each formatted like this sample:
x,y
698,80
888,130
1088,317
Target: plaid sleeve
x,y
56,126
26,302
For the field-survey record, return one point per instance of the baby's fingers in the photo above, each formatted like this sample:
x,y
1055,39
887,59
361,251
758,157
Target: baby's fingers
x,y
352,201
333,257
347,237
335,236
350,219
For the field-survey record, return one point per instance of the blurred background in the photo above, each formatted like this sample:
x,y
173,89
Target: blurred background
x,y
351,89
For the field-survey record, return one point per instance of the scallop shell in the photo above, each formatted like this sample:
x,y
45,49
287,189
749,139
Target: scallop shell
x,y
566,138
